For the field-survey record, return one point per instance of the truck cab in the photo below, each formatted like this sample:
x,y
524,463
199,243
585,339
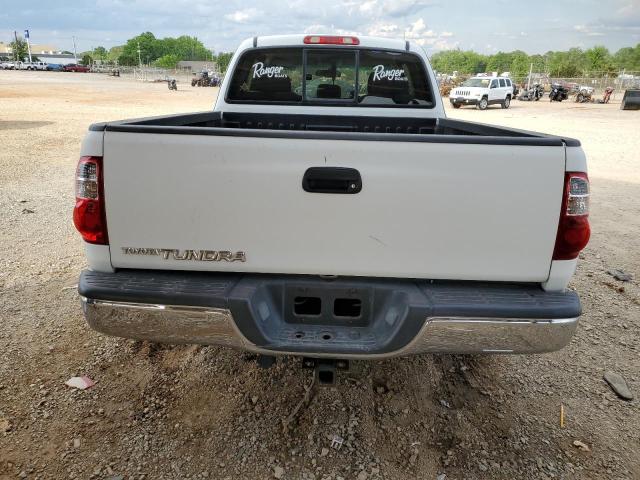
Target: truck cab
x,y
482,91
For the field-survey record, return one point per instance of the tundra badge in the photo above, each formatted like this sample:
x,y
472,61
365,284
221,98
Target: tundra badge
x,y
196,255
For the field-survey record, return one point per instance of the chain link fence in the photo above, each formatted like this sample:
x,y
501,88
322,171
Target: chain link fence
x,y
620,83
148,73
599,84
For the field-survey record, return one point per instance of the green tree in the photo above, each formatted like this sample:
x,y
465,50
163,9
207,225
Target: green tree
x,y
149,49
223,59
459,60
152,48
566,64
100,53
628,58
187,48
598,59
500,62
86,59
19,48
114,53
168,61
520,64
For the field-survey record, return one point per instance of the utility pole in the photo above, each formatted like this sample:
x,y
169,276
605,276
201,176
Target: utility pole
x,y
139,57
75,54
26,35
530,72
15,50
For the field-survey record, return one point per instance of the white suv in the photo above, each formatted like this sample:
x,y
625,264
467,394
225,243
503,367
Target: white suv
x,y
482,92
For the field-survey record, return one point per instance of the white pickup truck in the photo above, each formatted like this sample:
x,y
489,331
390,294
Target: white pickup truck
x,y
31,66
328,208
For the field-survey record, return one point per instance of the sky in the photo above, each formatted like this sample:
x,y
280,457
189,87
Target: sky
x,y
485,26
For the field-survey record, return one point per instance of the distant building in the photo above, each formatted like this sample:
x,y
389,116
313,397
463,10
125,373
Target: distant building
x,y
56,58
38,48
46,53
5,51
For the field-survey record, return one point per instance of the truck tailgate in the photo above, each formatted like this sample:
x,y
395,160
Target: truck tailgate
x,y
426,209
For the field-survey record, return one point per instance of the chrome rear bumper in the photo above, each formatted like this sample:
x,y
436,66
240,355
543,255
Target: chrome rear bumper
x,y
177,324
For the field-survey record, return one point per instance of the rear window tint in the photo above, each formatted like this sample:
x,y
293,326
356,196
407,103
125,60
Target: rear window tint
x,y
273,75
355,77
330,75
392,78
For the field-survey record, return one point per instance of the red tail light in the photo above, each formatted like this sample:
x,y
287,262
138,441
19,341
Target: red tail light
x,y
89,214
573,229
331,40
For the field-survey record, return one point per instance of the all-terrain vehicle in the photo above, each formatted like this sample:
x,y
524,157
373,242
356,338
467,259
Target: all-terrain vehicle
x,y
558,93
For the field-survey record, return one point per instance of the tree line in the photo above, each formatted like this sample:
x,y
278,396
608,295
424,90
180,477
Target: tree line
x,y
575,62
161,52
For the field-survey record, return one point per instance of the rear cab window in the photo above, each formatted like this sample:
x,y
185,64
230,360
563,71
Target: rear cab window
x,y
269,75
328,76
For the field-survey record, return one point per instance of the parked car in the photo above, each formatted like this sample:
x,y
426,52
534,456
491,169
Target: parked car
x,y
482,92
72,67
351,221
7,65
31,65
55,67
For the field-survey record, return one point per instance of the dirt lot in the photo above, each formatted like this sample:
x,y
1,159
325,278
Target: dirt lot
x,y
193,412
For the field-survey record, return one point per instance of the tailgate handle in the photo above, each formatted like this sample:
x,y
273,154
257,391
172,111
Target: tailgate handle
x,y
332,180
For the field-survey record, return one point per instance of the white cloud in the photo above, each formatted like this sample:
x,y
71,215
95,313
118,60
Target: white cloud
x,y
586,30
242,16
368,7
416,31
401,8
319,28
384,30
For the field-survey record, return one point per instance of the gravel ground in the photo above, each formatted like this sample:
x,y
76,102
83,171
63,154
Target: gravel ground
x,y
203,412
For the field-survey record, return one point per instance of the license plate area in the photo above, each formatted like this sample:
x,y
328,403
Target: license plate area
x,y
326,305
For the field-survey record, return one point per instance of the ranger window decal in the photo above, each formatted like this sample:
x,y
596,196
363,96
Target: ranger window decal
x,y
275,71
396,74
